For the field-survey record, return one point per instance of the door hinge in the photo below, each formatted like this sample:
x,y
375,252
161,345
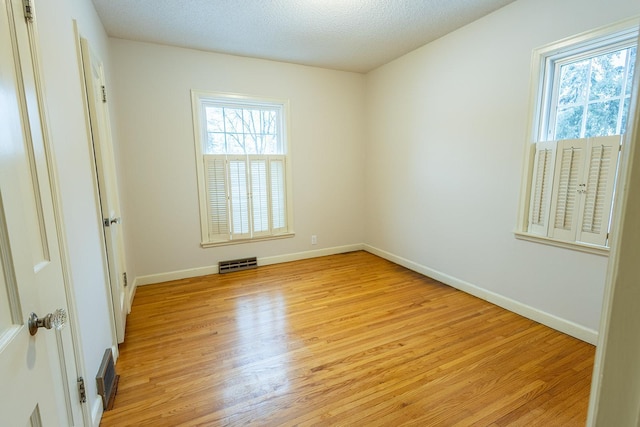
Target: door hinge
x,y
81,390
28,10
124,279
104,94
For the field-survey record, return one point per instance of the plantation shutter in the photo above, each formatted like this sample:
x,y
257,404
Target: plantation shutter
x,y
601,166
541,187
278,196
566,187
238,197
259,195
216,193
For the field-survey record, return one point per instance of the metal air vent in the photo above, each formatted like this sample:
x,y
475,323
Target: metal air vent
x,y
107,380
237,265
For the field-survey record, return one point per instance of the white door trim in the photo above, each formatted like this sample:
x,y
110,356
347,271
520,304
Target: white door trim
x,y
114,338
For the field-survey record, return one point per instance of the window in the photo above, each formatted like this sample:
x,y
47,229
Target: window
x,y
591,92
243,168
583,91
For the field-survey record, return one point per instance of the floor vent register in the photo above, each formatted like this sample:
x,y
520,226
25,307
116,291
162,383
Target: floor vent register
x,y
237,265
107,380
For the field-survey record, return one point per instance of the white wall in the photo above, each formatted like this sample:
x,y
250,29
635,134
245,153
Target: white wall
x,y
153,85
71,146
446,132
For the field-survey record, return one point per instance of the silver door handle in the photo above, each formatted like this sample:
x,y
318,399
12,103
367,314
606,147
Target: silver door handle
x,y
55,320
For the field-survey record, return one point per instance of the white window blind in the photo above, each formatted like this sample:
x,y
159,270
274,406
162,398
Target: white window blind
x,y
567,185
252,190
259,196
541,191
601,169
278,199
238,200
572,190
216,198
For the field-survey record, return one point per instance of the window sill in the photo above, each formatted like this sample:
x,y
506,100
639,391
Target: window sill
x,y
582,247
239,241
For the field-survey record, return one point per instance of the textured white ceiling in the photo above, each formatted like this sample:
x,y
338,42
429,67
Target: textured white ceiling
x,y
352,35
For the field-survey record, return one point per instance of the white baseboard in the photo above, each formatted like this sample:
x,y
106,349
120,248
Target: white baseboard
x,y
562,325
213,269
310,254
132,293
175,275
557,323
96,412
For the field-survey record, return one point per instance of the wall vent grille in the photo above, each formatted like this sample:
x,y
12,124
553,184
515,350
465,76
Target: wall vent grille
x,y
237,265
107,380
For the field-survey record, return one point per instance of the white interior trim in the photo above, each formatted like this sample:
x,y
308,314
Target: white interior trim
x,y
96,412
213,269
96,191
56,200
152,279
576,246
557,323
310,254
536,107
550,320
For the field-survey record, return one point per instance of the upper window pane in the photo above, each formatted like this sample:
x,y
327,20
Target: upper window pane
x,y
607,75
591,95
243,130
573,83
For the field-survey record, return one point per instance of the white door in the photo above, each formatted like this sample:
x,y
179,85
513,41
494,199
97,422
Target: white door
x,y
37,372
107,185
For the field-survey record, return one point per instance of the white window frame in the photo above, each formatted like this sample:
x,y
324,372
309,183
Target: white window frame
x,y
208,237
540,116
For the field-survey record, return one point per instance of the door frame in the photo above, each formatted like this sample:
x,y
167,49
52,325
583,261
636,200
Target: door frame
x,y
112,283
614,384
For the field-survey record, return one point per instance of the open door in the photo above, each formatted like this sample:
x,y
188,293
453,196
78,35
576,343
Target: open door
x,y
38,371
107,184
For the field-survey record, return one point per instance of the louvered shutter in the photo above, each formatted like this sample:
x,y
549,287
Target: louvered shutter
x,y
238,197
216,193
278,195
541,187
601,165
259,195
566,184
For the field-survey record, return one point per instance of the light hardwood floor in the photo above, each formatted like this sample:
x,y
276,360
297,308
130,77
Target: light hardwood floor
x,y
349,340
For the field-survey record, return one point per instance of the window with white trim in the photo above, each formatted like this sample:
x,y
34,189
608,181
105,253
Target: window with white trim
x,y
243,167
582,97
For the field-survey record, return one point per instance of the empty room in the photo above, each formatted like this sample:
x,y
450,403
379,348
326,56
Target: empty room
x,y
303,212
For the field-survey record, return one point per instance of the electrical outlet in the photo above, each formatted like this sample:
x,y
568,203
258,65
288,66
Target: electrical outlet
x,y
314,240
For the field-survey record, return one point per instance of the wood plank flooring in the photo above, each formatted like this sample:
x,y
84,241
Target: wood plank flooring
x,y
349,340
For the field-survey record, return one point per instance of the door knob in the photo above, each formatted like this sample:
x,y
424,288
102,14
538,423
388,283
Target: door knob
x,y
55,320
